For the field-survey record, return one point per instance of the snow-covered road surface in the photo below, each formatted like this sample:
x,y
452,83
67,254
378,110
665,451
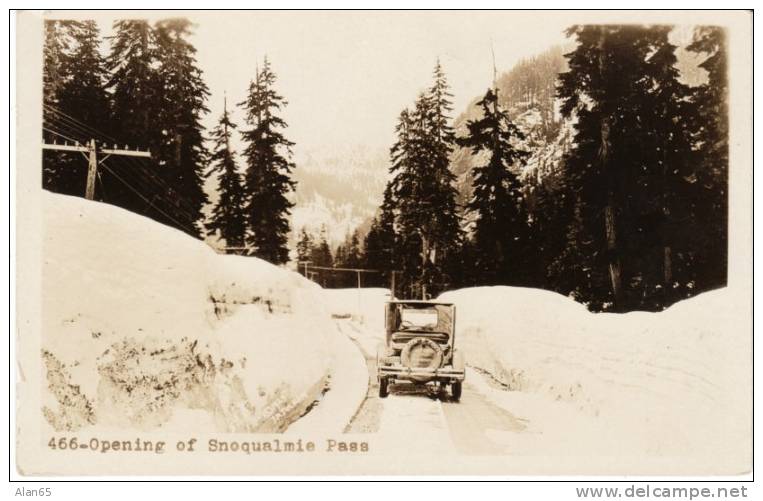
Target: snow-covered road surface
x,y
540,385
475,423
420,417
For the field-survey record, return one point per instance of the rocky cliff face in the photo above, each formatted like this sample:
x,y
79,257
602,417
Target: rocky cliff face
x,y
528,92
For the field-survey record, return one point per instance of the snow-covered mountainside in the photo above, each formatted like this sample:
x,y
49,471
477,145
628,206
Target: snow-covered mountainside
x,y
528,93
669,383
145,327
341,190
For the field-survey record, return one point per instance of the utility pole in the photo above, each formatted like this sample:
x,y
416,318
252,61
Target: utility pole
x,y
91,152
92,168
306,263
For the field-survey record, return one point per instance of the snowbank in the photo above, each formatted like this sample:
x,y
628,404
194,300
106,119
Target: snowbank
x,y
366,304
366,309
670,383
145,327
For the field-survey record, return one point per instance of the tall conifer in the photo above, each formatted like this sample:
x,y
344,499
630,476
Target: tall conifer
x,y
501,232
227,218
269,166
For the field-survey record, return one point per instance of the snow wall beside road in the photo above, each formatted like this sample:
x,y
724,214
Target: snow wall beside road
x,y
671,383
146,327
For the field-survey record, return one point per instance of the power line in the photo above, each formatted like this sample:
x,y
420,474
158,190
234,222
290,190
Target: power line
x,y
147,200
150,180
71,119
142,176
156,184
76,141
355,270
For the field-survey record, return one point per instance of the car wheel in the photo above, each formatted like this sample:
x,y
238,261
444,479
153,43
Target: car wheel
x,y
383,387
455,390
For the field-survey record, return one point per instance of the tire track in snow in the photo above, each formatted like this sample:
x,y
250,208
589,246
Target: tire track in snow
x,y
366,417
420,418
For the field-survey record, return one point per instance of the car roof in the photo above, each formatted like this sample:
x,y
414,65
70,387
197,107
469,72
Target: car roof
x,y
419,301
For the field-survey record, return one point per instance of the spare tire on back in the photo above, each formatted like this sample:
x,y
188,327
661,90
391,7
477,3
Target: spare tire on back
x,y
421,353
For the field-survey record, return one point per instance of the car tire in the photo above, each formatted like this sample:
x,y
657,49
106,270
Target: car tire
x,y
455,390
383,387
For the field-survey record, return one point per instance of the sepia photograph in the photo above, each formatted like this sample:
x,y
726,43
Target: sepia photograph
x,y
385,243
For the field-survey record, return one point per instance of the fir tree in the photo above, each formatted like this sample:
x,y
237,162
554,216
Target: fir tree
x,y
501,233
380,241
551,210
228,213
321,256
135,101
304,246
372,251
181,153
669,203
55,165
424,193
84,95
712,132
268,174
134,83
74,94
353,251
54,64
603,88
631,159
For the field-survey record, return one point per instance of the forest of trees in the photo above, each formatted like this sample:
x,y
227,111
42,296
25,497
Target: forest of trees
x,y
637,217
633,217
148,92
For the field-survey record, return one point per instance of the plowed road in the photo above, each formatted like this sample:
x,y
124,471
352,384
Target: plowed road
x,y
417,417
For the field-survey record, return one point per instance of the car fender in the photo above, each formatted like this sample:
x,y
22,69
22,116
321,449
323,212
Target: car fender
x,y
458,360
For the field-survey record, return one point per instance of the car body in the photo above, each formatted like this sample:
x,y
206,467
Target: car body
x,y
419,346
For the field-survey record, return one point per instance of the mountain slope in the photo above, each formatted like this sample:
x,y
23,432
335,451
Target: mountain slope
x,y
340,189
527,91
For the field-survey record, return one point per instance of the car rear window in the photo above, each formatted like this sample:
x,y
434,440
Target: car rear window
x,y
418,318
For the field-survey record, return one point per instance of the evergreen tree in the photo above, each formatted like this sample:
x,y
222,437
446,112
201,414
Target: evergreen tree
x,y
135,101
304,246
629,166
551,208
321,256
353,251
668,206
372,252
501,232
348,255
268,175
380,241
571,271
712,134
54,65
84,95
424,193
54,77
228,217
134,83
445,236
181,153
74,91
340,255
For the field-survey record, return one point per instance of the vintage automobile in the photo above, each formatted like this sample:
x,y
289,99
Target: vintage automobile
x,y
419,347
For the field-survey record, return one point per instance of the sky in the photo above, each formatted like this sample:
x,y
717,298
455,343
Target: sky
x,y
347,75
